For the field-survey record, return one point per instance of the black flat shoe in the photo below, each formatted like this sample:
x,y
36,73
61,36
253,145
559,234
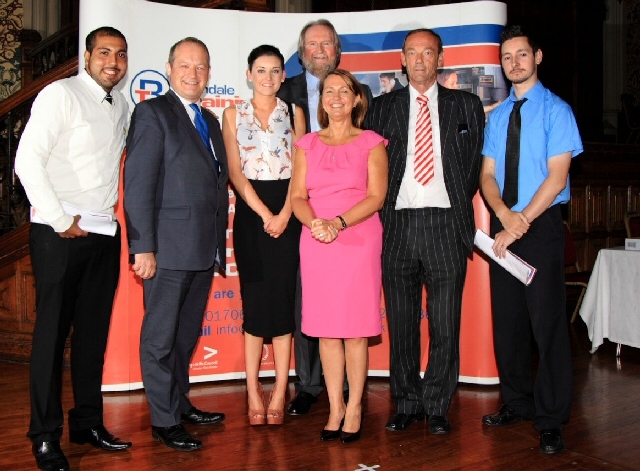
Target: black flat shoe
x,y
98,437
551,441
400,422
200,417
301,404
49,456
439,425
505,416
176,437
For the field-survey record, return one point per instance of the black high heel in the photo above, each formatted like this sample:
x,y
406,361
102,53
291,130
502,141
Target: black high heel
x,y
328,435
350,437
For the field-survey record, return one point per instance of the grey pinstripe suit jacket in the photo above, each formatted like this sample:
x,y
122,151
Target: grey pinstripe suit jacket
x,y
461,137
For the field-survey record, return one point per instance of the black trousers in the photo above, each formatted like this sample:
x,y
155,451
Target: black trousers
x,y
75,280
421,246
522,314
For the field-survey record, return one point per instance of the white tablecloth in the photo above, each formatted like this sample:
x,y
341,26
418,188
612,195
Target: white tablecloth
x,y
611,305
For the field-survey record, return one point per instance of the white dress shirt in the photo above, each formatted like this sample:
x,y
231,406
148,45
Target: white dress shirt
x,y
412,194
71,148
313,97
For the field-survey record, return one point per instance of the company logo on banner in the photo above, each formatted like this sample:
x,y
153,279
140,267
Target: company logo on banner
x,y
147,84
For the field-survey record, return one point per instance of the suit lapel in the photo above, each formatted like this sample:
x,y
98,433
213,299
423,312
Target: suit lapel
x,y
447,122
401,122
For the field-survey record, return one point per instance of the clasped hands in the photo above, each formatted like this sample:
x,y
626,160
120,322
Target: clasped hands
x,y
323,231
275,225
515,226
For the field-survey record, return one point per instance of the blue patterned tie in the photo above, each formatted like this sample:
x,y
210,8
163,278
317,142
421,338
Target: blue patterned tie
x,y
203,130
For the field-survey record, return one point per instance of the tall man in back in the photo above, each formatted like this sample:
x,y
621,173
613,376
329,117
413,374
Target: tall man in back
x,y
435,143
319,50
176,204
68,161
529,143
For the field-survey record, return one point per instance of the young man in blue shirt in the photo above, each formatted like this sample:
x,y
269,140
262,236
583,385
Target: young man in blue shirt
x,y
524,187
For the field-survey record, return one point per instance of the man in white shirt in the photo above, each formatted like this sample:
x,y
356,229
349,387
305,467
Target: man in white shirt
x,y
69,154
435,143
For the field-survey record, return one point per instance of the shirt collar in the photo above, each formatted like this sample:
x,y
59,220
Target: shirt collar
x,y
96,90
186,103
534,94
313,82
431,93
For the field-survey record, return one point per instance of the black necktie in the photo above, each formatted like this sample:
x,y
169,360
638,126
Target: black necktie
x,y
109,98
510,191
203,130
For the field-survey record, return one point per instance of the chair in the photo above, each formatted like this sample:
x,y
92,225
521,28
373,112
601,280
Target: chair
x,y
632,223
577,277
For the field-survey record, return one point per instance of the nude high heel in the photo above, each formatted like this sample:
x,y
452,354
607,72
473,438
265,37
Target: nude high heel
x,y
258,416
275,416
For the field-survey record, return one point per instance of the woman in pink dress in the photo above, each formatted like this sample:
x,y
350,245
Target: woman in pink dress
x,y
338,186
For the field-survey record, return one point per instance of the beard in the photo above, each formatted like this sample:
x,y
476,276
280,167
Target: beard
x,y
320,70
521,78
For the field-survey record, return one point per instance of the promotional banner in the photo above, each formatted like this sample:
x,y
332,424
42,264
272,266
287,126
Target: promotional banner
x,y
371,43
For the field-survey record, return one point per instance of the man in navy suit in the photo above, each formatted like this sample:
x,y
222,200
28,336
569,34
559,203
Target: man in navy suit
x,y
428,229
176,204
319,50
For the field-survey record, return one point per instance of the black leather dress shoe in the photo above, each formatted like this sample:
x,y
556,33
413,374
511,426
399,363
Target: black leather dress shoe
x,y
176,437
301,404
399,422
49,456
200,417
551,441
505,416
439,425
98,437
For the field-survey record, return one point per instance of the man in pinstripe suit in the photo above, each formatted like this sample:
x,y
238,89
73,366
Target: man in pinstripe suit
x,y
428,230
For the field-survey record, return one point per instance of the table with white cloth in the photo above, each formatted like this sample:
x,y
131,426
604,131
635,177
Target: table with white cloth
x,y
611,305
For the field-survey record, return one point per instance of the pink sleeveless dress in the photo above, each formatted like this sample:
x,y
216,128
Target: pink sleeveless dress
x,y
341,281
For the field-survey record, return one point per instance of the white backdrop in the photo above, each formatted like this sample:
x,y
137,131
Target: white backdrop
x,y
371,44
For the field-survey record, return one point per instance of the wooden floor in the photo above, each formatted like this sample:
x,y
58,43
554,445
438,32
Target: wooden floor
x,y
603,434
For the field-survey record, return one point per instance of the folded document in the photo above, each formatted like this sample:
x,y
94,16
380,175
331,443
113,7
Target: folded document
x,y
98,223
512,263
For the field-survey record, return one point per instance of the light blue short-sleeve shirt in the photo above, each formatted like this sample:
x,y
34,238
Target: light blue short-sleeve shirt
x,y
548,129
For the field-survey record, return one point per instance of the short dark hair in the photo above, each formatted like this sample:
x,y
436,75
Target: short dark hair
x,y
320,22
191,40
388,75
360,110
90,41
264,50
516,31
424,30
